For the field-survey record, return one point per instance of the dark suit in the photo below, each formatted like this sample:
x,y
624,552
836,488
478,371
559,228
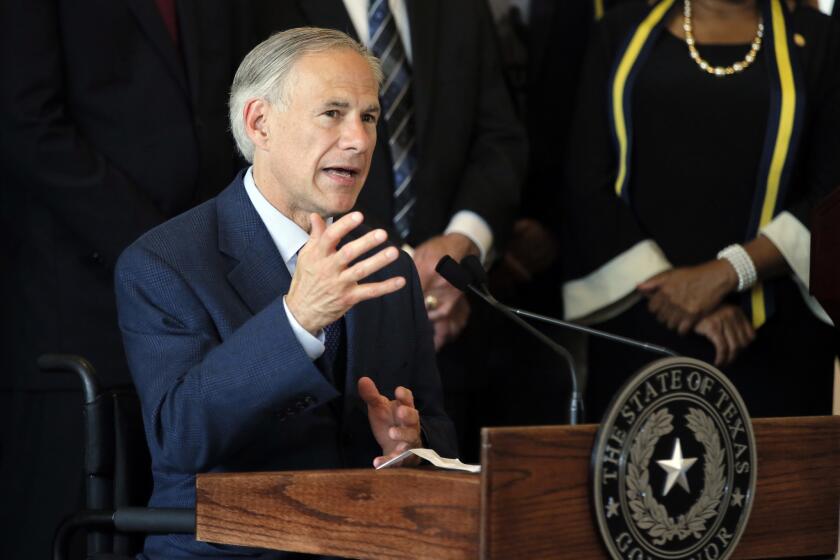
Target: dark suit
x,y
471,147
224,383
107,130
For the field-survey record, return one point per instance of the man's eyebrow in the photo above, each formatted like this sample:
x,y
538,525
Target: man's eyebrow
x,y
337,104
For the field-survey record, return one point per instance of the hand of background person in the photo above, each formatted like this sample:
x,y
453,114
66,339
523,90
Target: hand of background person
x,y
680,297
325,286
729,330
441,297
449,327
531,250
395,423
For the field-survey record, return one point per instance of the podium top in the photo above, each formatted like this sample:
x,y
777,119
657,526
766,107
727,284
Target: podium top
x,y
531,501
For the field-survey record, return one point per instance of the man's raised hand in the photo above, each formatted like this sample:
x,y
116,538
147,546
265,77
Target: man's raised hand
x,y
327,283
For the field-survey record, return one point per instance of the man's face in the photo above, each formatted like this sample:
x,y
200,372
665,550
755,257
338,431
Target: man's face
x,y
321,140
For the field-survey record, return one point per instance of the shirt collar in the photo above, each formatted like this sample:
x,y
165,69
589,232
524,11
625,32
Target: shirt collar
x,y
286,234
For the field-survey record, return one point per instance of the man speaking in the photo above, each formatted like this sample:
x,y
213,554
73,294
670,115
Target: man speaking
x,y
263,331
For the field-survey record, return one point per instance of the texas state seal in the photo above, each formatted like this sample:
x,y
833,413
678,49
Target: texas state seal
x,y
674,465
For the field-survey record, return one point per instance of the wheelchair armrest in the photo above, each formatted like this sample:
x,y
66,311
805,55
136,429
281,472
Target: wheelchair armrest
x,y
69,363
124,520
154,520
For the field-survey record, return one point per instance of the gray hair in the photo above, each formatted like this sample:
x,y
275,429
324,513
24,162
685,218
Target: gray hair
x,y
264,72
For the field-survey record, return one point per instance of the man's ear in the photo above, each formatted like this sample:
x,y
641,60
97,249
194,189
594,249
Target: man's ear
x,y
256,115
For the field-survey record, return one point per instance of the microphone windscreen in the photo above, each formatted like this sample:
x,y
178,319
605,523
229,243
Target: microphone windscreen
x,y
472,264
453,273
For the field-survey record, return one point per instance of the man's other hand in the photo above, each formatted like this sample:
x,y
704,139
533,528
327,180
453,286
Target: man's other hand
x,y
395,423
325,285
441,297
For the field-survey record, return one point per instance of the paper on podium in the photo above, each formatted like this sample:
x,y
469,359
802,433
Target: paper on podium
x,y
431,456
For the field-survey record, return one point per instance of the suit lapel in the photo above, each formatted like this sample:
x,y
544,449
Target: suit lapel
x,y
152,25
422,18
328,13
260,276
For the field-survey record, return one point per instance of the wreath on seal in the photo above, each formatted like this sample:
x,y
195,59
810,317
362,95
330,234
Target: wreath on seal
x,y
647,512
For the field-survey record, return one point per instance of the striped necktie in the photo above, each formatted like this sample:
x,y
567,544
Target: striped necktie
x,y
398,108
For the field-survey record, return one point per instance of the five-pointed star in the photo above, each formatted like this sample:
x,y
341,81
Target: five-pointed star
x,y
738,498
612,507
676,467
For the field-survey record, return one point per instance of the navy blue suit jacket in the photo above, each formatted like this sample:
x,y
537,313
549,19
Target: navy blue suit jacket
x,y
225,385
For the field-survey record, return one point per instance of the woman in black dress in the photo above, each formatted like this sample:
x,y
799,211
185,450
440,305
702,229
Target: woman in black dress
x,y
705,132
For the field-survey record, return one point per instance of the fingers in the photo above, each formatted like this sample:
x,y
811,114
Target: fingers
x,y
372,290
329,237
729,330
405,396
684,327
710,328
352,250
409,461
409,434
369,393
731,343
741,330
745,330
447,297
316,226
672,316
653,283
656,304
368,266
441,334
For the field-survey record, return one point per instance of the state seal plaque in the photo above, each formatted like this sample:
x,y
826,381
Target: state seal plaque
x,y
674,465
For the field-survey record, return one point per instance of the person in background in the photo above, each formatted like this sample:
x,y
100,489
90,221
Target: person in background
x,y
700,146
113,119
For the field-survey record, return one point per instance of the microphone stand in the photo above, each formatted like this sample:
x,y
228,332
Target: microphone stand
x,y
576,399
594,332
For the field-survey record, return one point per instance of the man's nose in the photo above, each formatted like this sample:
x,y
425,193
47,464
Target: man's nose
x,y
357,135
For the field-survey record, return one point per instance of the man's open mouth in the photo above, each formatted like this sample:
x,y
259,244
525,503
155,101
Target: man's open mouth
x,y
343,172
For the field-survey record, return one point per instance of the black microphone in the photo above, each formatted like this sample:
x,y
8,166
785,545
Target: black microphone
x,y
478,276
453,273
472,266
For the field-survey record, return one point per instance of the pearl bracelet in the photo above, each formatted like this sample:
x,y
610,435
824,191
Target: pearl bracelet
x,y
744,267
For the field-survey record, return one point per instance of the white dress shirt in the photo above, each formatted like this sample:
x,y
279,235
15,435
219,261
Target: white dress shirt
x,y
465,222
289,239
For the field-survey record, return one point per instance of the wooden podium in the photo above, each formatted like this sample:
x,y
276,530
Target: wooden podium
x,y
530,501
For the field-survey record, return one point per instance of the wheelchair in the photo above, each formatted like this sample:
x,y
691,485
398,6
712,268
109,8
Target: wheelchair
x,y
118,476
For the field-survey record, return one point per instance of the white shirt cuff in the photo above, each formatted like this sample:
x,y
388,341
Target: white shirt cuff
x,y
793,240
312,345
472,225
611,289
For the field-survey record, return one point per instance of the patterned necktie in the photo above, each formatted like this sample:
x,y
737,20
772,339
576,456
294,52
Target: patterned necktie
x,y
398,108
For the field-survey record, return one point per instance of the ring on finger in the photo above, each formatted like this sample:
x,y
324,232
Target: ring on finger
x,y
431,302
